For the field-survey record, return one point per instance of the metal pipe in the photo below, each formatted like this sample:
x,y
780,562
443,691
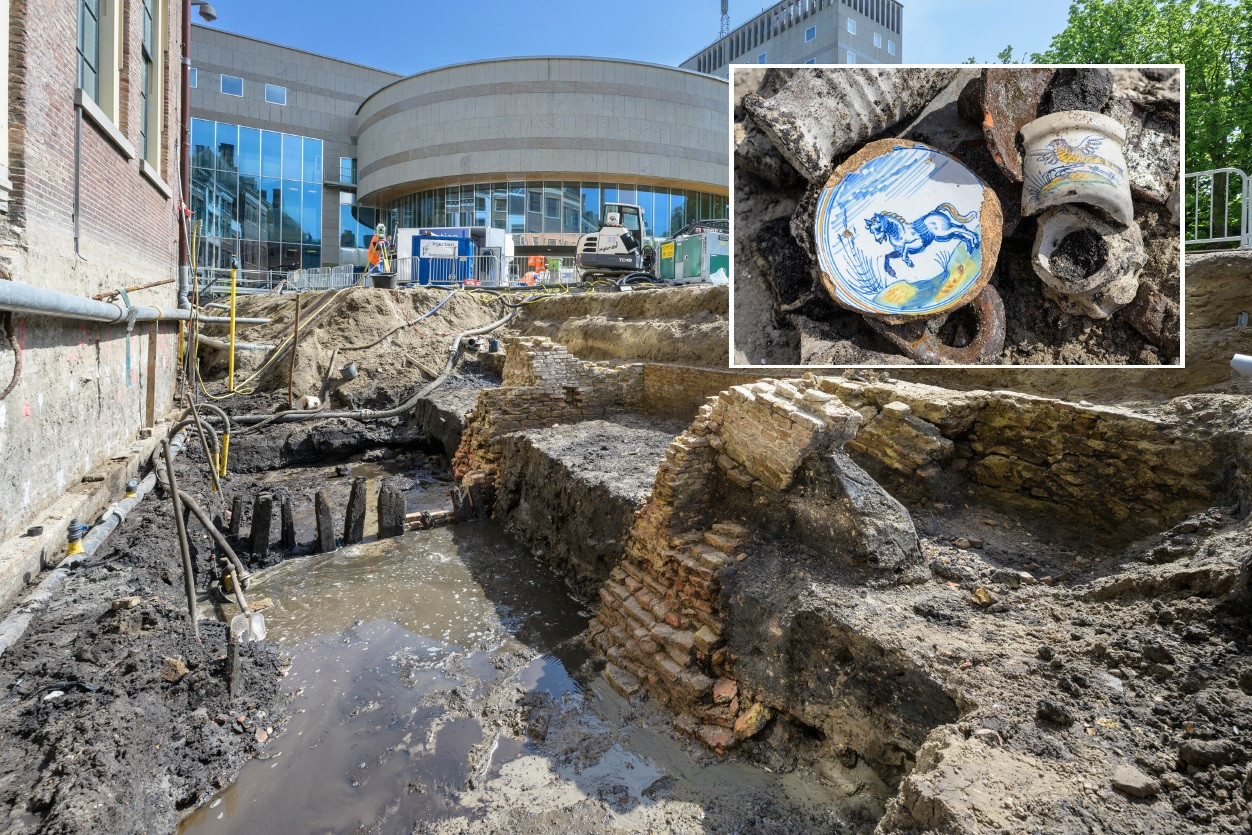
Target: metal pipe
x,y
220,540
78,178
241,346
19,619
395,411
204,443
188,580
230,357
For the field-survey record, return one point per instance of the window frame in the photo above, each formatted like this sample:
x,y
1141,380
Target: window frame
x,y
152,84
222,86
851,26
108,55
878,40
193,77
762,58
851,57
269,100
810,34
891,47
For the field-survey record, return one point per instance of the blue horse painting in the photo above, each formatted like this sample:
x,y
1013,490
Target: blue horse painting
x,y
944,223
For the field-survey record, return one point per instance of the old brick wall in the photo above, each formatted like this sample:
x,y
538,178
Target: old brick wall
x,y
82,395
677,391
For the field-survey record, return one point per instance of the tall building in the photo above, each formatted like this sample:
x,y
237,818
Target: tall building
x,y
810,32
296,156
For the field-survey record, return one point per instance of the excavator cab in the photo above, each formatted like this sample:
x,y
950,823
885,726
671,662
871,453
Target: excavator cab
x,y
617,249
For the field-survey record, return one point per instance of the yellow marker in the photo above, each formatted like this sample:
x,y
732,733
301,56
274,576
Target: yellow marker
x,y
230,361
225,453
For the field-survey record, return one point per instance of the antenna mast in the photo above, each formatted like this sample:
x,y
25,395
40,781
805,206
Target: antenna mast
x,y
725,30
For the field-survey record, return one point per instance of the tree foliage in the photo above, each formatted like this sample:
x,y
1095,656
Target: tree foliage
x,y
1213,38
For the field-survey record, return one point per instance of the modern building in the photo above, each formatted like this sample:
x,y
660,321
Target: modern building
x,y
296,156
810,32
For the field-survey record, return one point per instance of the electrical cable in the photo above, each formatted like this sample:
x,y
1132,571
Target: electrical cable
x,y
17,356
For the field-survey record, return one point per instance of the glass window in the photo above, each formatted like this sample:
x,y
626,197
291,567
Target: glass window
x,y
272,208
891,47
226,196
193,77
248,156
201,187
482,204
311,214
276,94
811,61
810,33
551,207
851,26
571,209
202,147
760,59
271,154
312,160
292,157
249,207
227,143
436,218
347,170
312,257
878,40
89,47
499,205
610,195
660,213
590,207
291,212
232,85
534,208
851,57
677,211
626,194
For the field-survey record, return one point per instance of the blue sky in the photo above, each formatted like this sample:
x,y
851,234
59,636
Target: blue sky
x,y
407,37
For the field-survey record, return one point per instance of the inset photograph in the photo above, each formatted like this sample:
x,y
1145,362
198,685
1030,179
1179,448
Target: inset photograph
x,y
1000,215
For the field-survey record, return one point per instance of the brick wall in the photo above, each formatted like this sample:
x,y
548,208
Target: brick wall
x,y
677,391
82,395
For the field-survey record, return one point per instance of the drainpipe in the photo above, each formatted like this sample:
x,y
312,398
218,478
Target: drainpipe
x,y
78,177
22,298
184,166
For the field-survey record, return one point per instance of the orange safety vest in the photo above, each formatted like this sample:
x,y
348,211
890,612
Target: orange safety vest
x,y
374,254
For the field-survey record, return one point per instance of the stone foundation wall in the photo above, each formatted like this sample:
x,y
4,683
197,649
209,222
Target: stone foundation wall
x,y
1094,462
678,391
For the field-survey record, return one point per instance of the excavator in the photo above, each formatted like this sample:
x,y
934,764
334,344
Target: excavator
x,y
617,250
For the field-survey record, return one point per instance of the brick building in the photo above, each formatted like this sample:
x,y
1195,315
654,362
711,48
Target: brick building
x,y
89,186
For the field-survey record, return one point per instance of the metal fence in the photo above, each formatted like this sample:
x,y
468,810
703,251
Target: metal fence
x,y
322,278
1216,210
215,282
485,271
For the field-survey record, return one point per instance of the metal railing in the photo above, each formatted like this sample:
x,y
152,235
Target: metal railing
x,y
215,281
1216,209
322,278
484,271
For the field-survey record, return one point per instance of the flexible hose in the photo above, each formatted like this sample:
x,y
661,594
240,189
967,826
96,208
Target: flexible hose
x,y
370,414
399,328
17,356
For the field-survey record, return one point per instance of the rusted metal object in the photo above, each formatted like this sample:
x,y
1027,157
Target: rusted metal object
x,y
1010,99
919,342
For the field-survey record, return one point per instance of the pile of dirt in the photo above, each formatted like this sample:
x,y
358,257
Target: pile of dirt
x,y
372,328
685,325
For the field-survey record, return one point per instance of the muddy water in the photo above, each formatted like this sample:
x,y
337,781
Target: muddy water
x,y
440,685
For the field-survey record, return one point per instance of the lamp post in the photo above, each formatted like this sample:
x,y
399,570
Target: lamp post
x,y
208,14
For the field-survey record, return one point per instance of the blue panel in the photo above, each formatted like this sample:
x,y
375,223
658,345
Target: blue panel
x,y
312,160
249,158
293,157
311,215
271,154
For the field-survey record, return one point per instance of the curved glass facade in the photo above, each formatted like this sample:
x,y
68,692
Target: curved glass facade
x,y
548,207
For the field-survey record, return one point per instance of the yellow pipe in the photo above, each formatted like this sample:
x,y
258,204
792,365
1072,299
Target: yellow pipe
x,y
230,362
225,453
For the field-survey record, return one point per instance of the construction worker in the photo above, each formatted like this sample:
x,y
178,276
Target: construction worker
x,y
379,251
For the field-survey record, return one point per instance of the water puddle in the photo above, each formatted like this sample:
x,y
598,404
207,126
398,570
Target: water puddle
x,y
440,685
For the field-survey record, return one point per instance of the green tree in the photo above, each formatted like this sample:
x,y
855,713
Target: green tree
x,y
1212,37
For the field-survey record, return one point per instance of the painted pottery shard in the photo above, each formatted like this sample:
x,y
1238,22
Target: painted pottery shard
x,y
1089,265
1075,156
1010,99
905,231
821,113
